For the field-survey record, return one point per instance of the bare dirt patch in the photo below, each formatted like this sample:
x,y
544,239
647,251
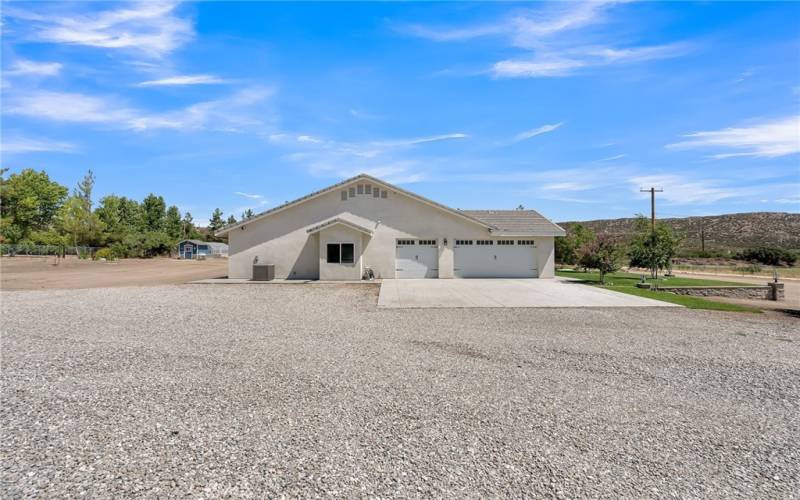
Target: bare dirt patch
x,y
38,273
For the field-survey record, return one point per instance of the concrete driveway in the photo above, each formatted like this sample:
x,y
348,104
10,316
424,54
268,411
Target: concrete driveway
x,y
431,293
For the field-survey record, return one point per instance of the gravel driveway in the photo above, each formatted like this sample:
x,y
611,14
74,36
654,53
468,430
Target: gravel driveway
x,y
255,391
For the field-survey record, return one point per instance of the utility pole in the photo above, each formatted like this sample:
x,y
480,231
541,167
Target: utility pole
x,y
652,192
703,240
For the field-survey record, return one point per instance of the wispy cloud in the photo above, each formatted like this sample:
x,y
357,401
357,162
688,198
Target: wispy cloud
x,y
151,28
615,157
249,195
27,67
231,113
179,80
26,145
768,140
528,134
552,39
682,190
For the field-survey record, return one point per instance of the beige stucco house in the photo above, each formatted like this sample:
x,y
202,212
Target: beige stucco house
x,y
364,224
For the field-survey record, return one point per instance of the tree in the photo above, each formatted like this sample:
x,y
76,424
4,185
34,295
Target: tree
x,y
216,222
247,214
172,222
154,211
85,188
231,220
188,231
567,247
29,201
651,248
83,226
603,254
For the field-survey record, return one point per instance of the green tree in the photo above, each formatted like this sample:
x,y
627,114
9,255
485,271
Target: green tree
x,y
188,230
567,247
216,222
231,220
247,214
603,254
651,248
172,222
85,188
83,226
29,201
154,211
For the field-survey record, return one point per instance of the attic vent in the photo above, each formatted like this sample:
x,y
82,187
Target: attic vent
x,y
360,189
344,195
352,192
384,194
368,188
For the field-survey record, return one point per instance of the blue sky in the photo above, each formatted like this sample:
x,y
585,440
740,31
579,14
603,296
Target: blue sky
x,y
567,107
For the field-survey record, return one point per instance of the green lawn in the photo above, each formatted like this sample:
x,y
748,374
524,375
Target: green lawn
x,y
626,283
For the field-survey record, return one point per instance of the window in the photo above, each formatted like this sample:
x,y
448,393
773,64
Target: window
x,y
368,188
376,193
341,253
484,242
360,189
463,242
384,194
427,242
344,195
505,242
525,242
405,242
352,192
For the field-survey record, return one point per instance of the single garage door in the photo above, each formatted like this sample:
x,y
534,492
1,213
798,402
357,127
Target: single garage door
x,y
495,259
416,259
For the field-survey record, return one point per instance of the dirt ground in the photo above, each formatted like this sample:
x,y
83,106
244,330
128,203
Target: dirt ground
x,y
41,273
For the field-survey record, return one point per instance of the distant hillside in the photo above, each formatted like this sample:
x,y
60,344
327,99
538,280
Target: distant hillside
x,y
729,231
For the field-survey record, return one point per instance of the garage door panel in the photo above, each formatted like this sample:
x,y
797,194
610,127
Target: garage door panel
x,y
495,261
416,261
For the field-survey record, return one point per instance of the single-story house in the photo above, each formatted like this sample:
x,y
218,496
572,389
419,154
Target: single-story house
x,y
192,249
364,224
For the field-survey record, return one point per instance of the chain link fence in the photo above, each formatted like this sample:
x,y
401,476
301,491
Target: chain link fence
x,y
8,250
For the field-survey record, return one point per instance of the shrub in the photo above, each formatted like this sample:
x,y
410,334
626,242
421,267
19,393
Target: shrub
x,y
770,256
105,253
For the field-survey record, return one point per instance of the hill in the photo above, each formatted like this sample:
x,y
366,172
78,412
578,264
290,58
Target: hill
x,y
722,232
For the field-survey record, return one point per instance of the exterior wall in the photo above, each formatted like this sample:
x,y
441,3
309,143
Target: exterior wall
x,y
545,256
340,234
282,238
766,292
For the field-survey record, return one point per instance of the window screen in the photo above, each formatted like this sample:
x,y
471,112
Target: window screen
x,y
368,188
333,253
384,194
360,189
347,253
376,193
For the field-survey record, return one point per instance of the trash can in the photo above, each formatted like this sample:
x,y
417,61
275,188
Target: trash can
x,y
263,272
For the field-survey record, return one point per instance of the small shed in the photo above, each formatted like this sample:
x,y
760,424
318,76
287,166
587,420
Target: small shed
x,y
193,249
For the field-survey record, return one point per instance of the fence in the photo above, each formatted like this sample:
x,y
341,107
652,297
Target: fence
x,y
7,250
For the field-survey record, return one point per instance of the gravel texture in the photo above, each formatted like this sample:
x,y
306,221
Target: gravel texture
x,y
253,391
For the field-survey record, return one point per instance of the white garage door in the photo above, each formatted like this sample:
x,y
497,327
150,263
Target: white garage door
x,y
416,259
495,259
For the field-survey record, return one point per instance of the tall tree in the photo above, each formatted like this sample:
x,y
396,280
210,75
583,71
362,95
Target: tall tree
x,y
83,226
231,220
188,230
85,188
216,222
247,214
29,201
172,222
154,210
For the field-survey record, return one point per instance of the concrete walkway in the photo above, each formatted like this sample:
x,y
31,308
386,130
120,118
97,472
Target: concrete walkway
x,y
432,293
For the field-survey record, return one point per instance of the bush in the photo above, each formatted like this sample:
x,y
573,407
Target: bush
x,y
105,253
770,256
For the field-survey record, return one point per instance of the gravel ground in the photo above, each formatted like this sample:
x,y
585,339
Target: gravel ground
x,y
256,391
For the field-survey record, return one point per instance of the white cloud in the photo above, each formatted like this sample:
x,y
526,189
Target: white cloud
x,y
35,68
232,113
612,158
553,39
178,80
26,145
249,195
522,136
308,139
682,190
768,140
151,28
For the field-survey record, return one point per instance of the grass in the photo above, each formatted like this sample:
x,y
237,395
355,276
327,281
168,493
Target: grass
x,y
626,283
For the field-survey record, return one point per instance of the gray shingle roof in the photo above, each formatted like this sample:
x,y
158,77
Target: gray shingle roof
x,y
517,222
211,244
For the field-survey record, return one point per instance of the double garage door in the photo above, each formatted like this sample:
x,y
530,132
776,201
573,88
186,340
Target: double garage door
x,y
495,259
416,259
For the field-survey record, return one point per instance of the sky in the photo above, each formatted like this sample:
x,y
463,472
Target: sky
x,y
568,108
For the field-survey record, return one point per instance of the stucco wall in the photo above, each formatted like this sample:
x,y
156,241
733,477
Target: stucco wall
x,y
282,238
